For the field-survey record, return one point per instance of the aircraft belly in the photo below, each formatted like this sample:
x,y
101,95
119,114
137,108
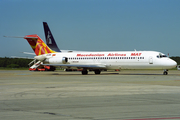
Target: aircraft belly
x,y
143,66
137,65
112,67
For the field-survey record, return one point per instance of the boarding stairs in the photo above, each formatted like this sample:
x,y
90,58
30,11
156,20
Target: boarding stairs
x,y
35,64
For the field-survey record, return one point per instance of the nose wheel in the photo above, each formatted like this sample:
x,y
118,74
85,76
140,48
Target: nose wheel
x,y
165,72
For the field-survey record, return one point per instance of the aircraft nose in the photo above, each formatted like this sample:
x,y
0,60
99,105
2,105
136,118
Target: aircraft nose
x,y
173,63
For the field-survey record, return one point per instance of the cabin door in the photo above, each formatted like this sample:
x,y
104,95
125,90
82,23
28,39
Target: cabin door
x,y
150,60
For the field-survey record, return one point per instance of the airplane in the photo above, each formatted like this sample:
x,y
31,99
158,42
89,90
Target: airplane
x,y
99,61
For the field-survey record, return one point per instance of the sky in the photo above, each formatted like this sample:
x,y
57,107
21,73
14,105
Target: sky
x,y
92,25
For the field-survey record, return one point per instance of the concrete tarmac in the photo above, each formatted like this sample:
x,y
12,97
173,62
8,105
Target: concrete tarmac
x,y
59,95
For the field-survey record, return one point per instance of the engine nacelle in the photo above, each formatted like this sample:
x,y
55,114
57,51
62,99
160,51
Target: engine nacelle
x,y
56,60
64,60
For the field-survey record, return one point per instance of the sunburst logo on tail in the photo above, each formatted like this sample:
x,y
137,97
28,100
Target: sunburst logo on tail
x,y
38,45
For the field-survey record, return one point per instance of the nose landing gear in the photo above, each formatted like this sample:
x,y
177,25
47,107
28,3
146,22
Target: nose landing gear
x,y
165,72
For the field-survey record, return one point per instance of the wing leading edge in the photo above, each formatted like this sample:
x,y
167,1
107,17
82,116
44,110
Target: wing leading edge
x,y
98,66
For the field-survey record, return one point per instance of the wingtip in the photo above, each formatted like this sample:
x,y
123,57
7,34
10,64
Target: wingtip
x,y
13,36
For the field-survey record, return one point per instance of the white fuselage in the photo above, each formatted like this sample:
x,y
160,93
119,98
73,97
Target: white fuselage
x,y
113,59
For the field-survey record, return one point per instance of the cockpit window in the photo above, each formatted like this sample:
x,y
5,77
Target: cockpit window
x,y
161,55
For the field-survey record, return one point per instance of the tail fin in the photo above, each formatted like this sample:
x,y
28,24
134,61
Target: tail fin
x,y
49,38
38,45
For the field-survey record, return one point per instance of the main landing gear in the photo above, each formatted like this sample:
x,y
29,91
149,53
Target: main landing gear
x,y
85,72
165,72
97,71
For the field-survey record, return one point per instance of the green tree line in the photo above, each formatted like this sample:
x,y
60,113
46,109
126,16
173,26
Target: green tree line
x,y
177,59
14,62
23,63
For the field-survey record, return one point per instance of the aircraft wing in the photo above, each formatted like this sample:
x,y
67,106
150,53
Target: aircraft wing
x,y
21,57
95,66
29,53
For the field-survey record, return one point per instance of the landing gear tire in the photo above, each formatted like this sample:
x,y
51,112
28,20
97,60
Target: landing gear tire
x,y
97,72
84,72
165,72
